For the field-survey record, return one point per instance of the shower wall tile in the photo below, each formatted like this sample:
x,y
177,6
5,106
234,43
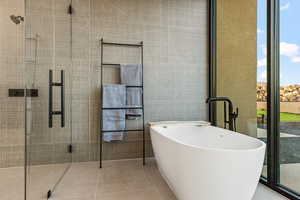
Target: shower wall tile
x,y
11,156
11,76
175,37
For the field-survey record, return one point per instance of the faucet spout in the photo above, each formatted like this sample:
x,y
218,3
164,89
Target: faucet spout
x,y
211,99
231,113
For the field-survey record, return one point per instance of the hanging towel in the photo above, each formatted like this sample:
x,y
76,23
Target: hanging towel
x,y
113,120
134,99
131,74
114,96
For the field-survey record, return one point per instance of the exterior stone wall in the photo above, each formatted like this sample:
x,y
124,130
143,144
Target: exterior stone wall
x,y
290,93
288,107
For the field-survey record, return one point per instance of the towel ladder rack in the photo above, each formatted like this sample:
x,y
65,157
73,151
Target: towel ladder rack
x,y
141,46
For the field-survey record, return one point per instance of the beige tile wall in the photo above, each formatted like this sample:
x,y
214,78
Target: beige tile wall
x,y
11,76
175,57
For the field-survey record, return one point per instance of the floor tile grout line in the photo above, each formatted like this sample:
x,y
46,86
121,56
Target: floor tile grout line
x,y
97,185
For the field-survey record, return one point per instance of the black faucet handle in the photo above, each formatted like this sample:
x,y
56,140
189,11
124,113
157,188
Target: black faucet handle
x,y
234,116
236,113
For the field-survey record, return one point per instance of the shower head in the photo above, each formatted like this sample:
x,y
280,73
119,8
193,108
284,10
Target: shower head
x,y
17,19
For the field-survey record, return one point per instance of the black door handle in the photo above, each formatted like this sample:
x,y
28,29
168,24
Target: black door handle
x,y
50,111
62,99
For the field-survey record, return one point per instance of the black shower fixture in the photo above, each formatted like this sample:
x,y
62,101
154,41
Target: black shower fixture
x,y
16,19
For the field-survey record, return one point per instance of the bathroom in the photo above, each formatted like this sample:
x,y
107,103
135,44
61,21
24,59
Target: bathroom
x,y
57,57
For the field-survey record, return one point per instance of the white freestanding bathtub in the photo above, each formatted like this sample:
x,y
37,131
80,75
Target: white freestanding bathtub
x,y
202,162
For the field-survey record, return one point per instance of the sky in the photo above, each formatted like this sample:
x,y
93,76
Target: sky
x,y
289,42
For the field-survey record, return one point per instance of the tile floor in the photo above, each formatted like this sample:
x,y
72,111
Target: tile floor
x,y
126,180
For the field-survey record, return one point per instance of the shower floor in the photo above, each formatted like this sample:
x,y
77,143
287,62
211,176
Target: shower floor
x,y
118,180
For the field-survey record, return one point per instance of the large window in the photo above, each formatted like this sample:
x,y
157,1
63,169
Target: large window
x,y
267,91
289,94
282,67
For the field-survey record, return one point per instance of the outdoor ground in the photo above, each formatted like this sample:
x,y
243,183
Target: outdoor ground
x,y
289,136
284,117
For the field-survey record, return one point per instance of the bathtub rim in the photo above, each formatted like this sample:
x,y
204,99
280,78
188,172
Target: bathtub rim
x,y
262,144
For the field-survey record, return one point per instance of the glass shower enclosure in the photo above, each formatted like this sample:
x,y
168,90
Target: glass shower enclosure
x,y
48,99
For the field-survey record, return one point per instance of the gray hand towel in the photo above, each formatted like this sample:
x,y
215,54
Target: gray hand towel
x,y
134,99
113,120
114,95
131,74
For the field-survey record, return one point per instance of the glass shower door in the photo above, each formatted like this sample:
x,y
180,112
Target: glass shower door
x,y
48,71
48,136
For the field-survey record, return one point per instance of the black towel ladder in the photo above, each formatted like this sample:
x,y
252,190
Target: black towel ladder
x,y
141,46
